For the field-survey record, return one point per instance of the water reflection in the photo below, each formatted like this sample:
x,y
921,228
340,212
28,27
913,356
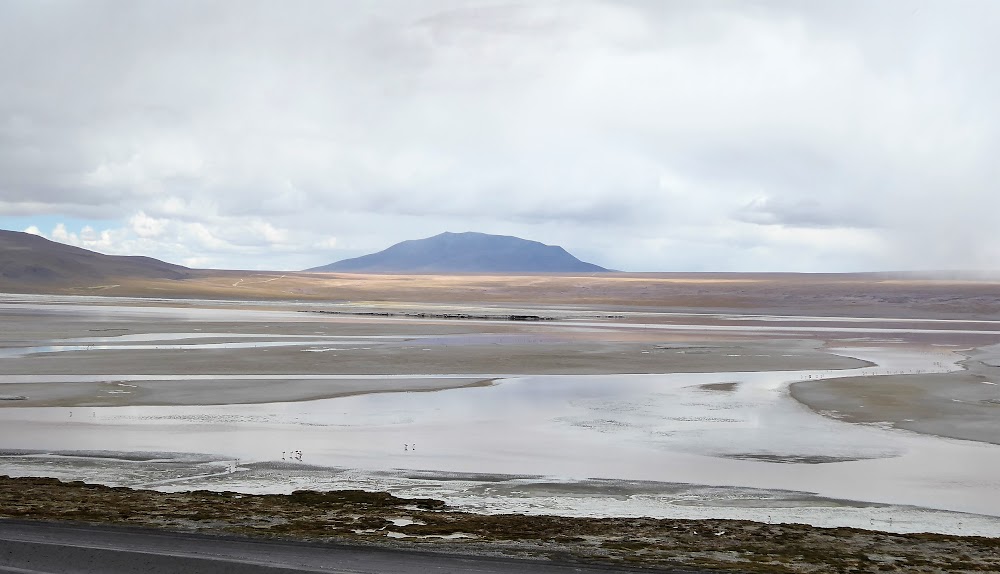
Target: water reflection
x,y
723,429
46,349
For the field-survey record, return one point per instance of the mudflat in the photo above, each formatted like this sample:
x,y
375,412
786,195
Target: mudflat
x,y
198,354
108,351
963,404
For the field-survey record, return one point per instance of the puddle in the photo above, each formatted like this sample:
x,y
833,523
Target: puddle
x,y
452,536
398,522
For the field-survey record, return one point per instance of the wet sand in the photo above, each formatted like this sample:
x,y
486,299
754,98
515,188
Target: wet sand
x,y
128,392
160,377
963,404
206,353
430,356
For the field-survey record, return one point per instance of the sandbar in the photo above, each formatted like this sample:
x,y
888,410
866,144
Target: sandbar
x,y
962,404
121,355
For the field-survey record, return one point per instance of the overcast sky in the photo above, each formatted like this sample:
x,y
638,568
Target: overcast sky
x,y
643,136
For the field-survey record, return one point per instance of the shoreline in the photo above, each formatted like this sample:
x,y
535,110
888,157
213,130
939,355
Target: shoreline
x,y
382,520
162,372
166,392
962,405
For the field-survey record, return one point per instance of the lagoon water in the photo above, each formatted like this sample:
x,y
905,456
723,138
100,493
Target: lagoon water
x,y
689,445
740,431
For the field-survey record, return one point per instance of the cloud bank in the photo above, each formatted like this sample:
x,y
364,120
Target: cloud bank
x,y
640,135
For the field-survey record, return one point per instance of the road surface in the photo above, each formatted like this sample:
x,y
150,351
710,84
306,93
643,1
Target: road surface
x,y
49,548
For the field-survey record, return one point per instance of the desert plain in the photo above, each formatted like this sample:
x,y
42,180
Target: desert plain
x,y
858,404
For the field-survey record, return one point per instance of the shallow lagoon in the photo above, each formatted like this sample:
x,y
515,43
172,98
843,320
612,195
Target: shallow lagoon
x,y
692,445
736,430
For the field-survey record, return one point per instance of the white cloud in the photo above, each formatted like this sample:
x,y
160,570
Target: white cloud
x,y
326,244
146,226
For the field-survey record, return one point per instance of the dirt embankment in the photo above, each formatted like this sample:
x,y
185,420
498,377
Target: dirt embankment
x,y
383,519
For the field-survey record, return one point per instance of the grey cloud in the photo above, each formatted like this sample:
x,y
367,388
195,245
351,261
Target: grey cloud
x,y
853,130
801,212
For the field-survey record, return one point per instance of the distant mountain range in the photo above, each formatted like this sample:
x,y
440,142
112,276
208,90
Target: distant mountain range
x,y
466,253
30,260
30,263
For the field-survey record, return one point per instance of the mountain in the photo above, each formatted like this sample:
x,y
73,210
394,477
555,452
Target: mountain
x,y
27,259
466,253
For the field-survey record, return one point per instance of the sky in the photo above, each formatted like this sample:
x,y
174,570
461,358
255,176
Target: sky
x,y
656,135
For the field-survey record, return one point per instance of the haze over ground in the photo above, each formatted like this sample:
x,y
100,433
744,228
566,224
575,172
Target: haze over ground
x,y
667,136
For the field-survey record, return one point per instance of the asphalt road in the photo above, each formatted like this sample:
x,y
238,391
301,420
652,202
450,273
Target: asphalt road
x,y
36,548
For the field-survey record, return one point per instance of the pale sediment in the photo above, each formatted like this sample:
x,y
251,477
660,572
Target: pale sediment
x,y
963,404
139,362
123,391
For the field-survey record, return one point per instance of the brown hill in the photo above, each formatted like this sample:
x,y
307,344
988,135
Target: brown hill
x,y
31,261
